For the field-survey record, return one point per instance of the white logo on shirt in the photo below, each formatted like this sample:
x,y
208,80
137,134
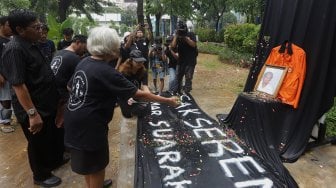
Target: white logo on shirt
x,y
78,92
56,64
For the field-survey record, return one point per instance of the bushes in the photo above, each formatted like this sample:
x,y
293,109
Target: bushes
x,y
209,35
331,121
225,54
242,38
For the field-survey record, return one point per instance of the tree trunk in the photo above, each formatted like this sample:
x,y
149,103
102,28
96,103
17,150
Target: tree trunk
x,y
63,6
157,24
140,12
149,23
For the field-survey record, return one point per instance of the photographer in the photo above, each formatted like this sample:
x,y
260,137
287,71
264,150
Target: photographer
x,y
172,58
137,41
185,42
158,63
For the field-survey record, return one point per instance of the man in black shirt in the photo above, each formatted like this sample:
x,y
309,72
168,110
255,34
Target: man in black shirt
x,y
35,99
46,46
138,41
67,38
185,42
5,95
63,65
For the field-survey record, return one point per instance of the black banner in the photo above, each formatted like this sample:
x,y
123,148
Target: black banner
x,y
184,147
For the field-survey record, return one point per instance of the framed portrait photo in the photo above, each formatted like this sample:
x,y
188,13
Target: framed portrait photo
x,y
270,79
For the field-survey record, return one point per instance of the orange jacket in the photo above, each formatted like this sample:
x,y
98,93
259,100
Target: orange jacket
x,y
292,84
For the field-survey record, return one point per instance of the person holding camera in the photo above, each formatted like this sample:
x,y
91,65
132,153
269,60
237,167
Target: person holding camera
x,y
172,57
186,45
138,41
158,63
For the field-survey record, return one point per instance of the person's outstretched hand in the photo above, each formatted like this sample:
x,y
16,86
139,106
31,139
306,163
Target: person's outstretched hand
x,y
174,101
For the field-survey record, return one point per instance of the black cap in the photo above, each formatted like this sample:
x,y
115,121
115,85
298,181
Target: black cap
x,y
137,56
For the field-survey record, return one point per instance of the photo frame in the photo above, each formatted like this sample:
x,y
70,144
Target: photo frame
x,y
270,79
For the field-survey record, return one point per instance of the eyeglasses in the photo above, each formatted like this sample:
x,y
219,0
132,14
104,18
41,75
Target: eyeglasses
x,y
36,27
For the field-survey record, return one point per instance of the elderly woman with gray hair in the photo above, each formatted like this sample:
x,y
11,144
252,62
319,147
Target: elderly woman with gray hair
x,y
94,89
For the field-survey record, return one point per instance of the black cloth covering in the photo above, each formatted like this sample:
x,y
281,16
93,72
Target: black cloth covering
x,y
188,136
311,24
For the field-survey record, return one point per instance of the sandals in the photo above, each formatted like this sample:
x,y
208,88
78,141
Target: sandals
x,y
7,129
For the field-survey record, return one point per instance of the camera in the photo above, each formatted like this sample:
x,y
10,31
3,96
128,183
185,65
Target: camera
x,y
182,29
168,41
157,47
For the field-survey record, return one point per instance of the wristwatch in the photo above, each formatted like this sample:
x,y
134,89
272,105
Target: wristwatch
x,y
31,112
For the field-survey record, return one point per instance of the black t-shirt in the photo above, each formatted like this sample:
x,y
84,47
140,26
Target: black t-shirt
x,y
63,66
95,87
47,48
172,61
124,53
187,54
63,44
142,45
23,63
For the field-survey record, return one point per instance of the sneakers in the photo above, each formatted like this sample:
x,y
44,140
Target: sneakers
x,y
7,128
52,181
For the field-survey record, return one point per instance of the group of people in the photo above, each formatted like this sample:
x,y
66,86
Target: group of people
x,y
65,99
175,56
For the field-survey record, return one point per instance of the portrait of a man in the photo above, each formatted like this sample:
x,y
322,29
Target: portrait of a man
x,y
270,79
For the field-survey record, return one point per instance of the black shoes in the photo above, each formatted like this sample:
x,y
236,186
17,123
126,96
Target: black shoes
x,y
107,183
52,181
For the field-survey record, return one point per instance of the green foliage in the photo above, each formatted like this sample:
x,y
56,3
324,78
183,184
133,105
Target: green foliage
x,y
205,34
251,8
242,37
228,18
128,17
7,5
209,35
331,121
79,25
225,54
54,29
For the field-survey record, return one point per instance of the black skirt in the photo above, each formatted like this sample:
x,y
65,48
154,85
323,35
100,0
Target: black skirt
x,y
89,162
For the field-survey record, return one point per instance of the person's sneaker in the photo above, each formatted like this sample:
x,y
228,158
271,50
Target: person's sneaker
x,y
7,128
107,183
52,181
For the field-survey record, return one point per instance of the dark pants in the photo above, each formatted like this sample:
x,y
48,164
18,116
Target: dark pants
x,y
186,71
45,149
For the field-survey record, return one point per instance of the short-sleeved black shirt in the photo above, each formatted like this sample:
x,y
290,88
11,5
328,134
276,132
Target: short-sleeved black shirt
x,y
23,63
95,87
172,61
142,45
63,44
187,54
47,48
63,66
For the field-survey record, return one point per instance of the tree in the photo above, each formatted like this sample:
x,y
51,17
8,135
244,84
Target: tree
x,y
251,8
8,5
127,16
211,10
66,7
155,7
44,7
140,12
